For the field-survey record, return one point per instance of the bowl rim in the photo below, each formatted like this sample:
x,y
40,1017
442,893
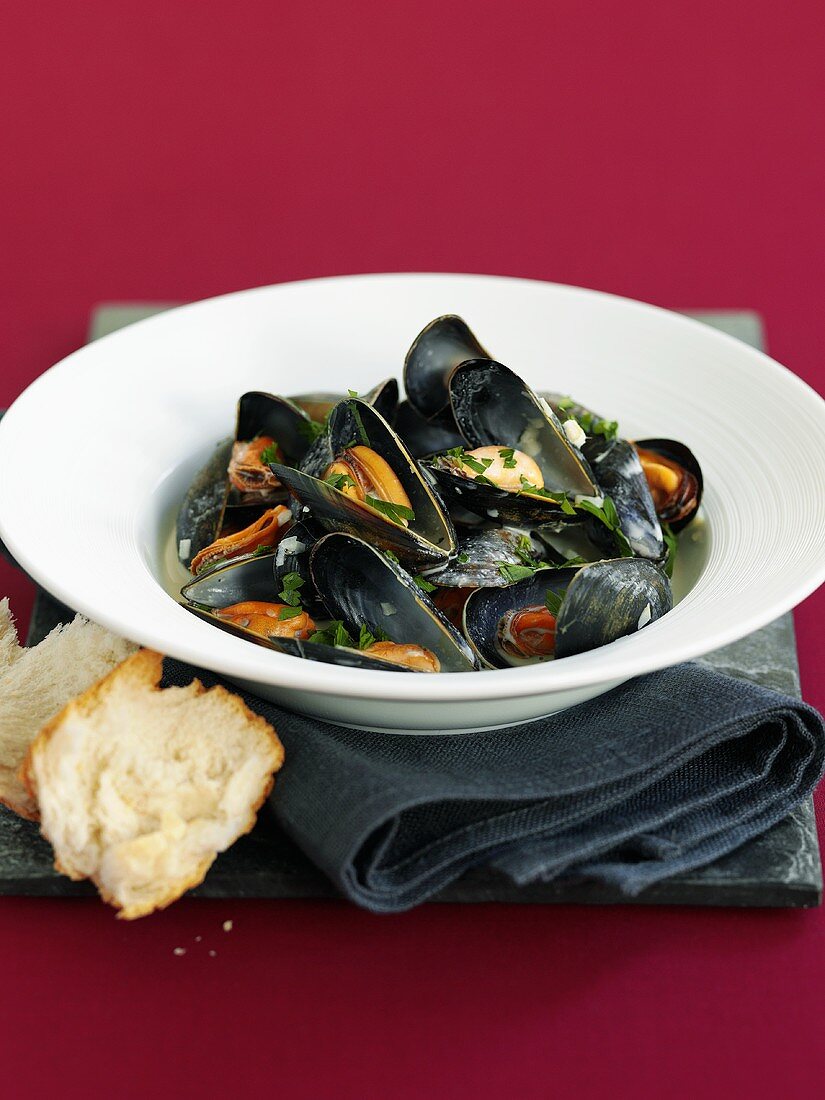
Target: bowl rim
x,y
219,652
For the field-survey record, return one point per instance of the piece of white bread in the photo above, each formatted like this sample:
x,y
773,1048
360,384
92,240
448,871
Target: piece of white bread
x,y
36,683
9,648
140,787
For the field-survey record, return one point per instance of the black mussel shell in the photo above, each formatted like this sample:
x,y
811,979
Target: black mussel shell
x,y
608,600
481,553
430,537
384,398
438,348
494,407
248,578
492,503
602,602
312,651
620,476
424,437
201,512
680,454
362,586
292,556
270,414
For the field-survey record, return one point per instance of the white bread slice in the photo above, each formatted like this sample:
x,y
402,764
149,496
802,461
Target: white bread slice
x,y
9,648
141,787
38,683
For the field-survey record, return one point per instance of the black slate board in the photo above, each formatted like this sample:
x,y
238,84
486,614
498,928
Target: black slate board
x,y
780,868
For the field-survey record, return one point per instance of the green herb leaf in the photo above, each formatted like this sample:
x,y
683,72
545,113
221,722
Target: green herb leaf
x,y
478,466
334,634
508,454
462,559
672,544
259,551
424,584
534,491
553,602
352,393
270,454
366,638
566,403
291,583
395,512
392,556
340,481
513,573
311,429
290,612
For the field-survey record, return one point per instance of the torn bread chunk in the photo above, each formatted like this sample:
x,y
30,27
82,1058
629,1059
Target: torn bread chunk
x,y
140,787
10,649
36,683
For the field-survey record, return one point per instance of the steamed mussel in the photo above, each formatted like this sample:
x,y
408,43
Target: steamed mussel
x,y
478,524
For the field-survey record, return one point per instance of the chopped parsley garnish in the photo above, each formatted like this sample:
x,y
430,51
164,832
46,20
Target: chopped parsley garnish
x,y
395,512
392,556
478,466
362,431
608,515
334,634
529,489
312,429
553,602
370,635
589,423
352,393
259,551
290,612
463,559
340,481
424,584
291,583
672,544
513,573
508,454
270,454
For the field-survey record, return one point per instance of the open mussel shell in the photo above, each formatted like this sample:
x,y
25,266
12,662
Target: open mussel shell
x,y
494,407
383,397
434,353
430,537
492,503
249,578
422,436
678,453
201,512
312,651
361,586
620,476
270,414
480,557
602,602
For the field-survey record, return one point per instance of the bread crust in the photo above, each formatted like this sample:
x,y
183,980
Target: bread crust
x,y
144,669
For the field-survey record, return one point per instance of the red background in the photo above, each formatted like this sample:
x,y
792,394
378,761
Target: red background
x,y
667,151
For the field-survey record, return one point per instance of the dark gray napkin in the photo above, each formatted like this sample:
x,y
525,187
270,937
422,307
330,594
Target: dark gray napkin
x,y
663,774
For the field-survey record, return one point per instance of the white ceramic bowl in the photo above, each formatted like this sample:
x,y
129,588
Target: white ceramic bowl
x,y
96,454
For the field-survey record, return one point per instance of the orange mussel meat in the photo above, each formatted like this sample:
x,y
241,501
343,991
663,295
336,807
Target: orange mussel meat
x,y
266,531
247,470
529,632
265,619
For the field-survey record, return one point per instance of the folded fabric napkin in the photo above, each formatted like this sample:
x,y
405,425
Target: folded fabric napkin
x,y
663,774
